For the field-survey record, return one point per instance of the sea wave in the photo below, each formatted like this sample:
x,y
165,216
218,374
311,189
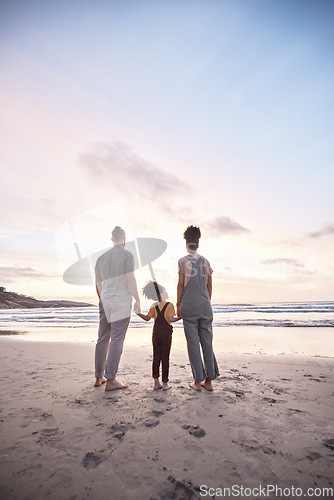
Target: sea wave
x,y
292,314
299,307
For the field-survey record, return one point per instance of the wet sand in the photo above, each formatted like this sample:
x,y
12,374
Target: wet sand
x,y
232,340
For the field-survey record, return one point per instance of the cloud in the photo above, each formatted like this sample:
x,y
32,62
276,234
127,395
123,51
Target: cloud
x,y
117,166
12,274
293,264
225,225
281,260
328,229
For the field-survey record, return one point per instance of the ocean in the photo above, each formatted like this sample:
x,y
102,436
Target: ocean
x,y
265,314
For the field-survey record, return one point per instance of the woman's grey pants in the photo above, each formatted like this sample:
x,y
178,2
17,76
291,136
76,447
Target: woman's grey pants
x,y
111,335
198,331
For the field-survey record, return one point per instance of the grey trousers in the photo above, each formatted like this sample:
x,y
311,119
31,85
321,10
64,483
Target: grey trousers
x,y
198,332
111,336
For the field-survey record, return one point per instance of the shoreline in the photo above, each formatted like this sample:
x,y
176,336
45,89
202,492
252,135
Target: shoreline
x,y
298,341
267,422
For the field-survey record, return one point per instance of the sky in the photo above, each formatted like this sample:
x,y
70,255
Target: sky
x,y
161,114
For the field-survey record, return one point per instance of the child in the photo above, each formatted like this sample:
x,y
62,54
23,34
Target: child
x,y
163,313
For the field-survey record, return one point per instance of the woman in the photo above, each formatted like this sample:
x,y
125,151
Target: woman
x,y
194,291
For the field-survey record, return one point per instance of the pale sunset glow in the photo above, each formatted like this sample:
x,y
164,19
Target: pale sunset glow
x,y
217,114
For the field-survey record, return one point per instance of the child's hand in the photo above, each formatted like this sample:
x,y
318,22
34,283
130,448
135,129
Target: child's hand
x,y
144,316
172,319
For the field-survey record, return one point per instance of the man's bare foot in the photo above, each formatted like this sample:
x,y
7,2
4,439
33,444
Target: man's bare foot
x,y
166,386
113,385
99,381
207,384
196,386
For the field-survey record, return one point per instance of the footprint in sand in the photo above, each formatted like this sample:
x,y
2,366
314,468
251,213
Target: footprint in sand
x,y
269,400
30,415
313,456
329,443
91,460
310,377
118,430
272,401
77,402
34,415
157,413
159,400
51,437
179,488
194,430
239,394
229,399
295,411
251,445
112,399
151,423
50,432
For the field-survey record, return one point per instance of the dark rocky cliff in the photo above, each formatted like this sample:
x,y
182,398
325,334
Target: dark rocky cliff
x,y
12,300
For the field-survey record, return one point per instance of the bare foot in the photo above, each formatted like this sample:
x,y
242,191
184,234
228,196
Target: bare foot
x,y
113,385
99,381
157,384
207,384
166,386
196,386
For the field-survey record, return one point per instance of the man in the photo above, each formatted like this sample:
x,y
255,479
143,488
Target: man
x,y
115,286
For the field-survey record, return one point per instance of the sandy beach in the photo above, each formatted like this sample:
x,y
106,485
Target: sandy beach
x,y
269,422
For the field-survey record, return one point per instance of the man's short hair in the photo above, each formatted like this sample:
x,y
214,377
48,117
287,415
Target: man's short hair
x,y
192,235
118,234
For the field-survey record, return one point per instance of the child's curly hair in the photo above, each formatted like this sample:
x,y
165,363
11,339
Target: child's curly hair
x,y
150,290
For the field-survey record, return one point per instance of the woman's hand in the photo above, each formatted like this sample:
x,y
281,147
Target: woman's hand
x,y
180,288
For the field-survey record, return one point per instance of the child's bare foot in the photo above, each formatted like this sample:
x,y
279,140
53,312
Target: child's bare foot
x,y
207,384
99,381
166,386
157,384
113,385
196,386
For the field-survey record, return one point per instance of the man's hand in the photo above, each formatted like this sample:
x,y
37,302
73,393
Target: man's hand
x,y
178,314
136,307
132,287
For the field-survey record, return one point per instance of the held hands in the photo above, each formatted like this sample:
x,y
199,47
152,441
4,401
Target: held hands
x,y
178,314
136,307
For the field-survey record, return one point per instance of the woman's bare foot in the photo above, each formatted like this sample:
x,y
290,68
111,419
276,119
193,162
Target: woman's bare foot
x,y
207,384
166,386
99,381
157,384
113,384
196,386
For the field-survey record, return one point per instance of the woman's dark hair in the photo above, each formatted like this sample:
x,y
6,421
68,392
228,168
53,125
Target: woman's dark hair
x,y
152,290
192,235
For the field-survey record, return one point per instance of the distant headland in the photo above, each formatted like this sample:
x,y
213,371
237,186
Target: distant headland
x,y
12,300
